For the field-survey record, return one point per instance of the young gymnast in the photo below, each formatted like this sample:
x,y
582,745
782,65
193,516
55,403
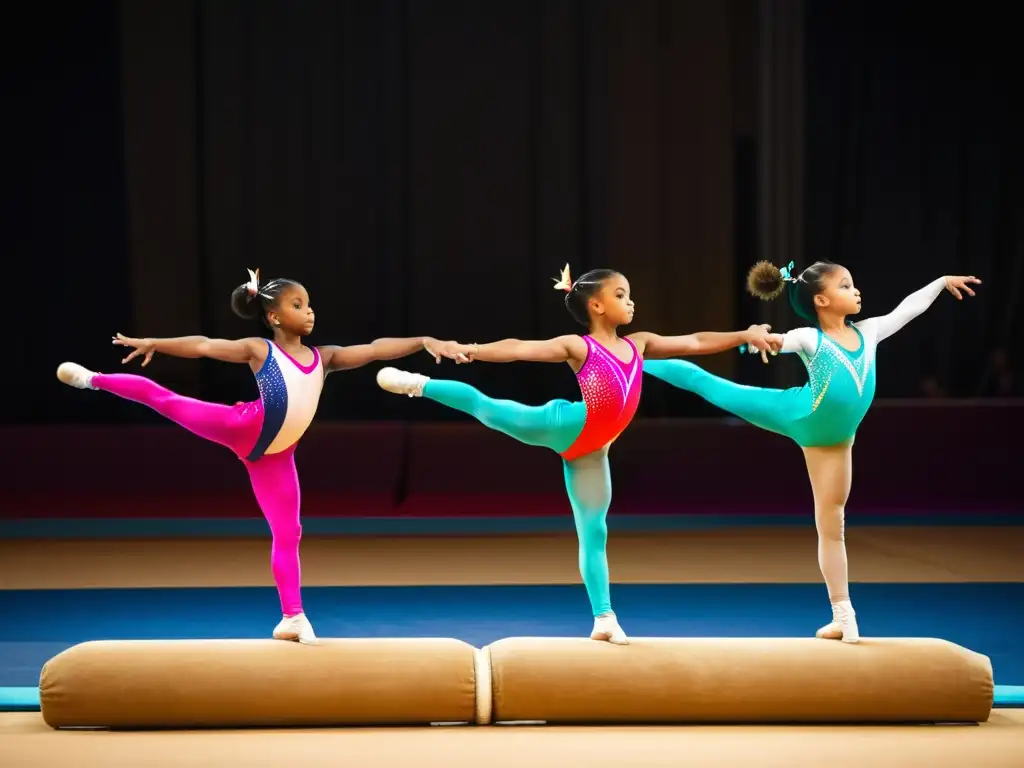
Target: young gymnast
x,y
265,432
609,372
823,415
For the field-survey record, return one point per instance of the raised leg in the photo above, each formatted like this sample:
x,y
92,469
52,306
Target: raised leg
x,y
554,425
771,409
235,427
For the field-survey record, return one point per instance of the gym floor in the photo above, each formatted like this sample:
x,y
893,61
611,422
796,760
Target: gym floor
x,y
963,583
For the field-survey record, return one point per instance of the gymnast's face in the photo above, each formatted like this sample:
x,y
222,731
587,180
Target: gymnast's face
x,y
293,313
612,304
839,295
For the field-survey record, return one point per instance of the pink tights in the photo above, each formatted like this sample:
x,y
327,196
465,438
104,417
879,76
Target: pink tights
x,y
274,478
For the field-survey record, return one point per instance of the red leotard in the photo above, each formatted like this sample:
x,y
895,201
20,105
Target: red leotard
x,y
611,392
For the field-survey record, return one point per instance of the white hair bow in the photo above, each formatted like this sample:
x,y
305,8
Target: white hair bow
x,y
564,282
253,286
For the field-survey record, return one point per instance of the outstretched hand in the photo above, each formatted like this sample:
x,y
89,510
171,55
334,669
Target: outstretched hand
x,y
453,350
760,338
465,352
449,349
141,347
957,283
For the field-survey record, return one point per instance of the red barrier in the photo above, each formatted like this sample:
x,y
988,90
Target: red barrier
x,y
909,457
466,469
344,469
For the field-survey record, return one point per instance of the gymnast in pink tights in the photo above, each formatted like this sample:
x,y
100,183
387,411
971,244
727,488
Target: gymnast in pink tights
x,y
262,433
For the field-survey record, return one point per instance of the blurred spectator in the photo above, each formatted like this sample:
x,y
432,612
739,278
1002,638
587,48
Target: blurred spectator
x,y
997,379
932,389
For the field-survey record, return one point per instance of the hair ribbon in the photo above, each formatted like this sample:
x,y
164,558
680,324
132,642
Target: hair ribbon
x,y
787,273
253,286
564,281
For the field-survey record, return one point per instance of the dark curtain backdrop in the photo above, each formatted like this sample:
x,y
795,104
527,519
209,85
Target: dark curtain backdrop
x,y
423,167
67,275
426,166
914,171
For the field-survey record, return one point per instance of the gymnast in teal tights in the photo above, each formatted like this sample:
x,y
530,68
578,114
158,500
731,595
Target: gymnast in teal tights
x,y
609,370
823,415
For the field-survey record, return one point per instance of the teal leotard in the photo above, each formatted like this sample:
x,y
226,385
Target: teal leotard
x,y
829,408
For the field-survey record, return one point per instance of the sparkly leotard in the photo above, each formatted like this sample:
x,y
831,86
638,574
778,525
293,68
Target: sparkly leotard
x,y
829,408
289,395
576,431
611,392
263,433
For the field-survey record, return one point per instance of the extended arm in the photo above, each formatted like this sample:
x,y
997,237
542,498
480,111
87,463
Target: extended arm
x,y
798,341
655,347
557,350
337,358
225,350
912,306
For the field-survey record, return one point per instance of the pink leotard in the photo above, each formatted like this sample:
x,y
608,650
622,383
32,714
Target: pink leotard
x,y
611,392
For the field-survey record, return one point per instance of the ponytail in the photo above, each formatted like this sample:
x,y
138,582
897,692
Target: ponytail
x,y
768,282
579,292
252,300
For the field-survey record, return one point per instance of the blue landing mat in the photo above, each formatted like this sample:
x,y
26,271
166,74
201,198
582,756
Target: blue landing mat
x,y
100,528
27,699
983,617
19,699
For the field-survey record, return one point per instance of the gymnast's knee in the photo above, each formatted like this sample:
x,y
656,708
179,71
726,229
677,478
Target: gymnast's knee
x,y
287,536
831,522
594,533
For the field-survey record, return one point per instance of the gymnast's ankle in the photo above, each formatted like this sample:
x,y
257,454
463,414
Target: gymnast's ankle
x,y
295,628
606,628
843,625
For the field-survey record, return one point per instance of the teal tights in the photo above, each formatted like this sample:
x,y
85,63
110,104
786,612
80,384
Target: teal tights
x,y
554,425
776,410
